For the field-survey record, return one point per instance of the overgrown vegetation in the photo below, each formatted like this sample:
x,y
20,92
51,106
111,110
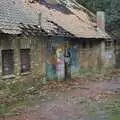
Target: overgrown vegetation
x,y
17,94
96,74
112,106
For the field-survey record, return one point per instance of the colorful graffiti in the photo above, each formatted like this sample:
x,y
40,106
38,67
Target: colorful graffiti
x,y
60,63
56,59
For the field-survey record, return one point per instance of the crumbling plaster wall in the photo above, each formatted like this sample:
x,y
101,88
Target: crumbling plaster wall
x,y
97,56
16,43
89,56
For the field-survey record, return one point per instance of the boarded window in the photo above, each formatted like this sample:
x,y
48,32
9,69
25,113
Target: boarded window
x,y
25,60
7,62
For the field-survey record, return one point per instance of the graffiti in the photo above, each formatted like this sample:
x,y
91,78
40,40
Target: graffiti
x,y
74,61
108,55
60,62
56,59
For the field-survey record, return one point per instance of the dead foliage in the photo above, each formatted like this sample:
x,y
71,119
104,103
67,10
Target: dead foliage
x,y
14,92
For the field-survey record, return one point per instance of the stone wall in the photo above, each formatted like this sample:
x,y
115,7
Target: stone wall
x,y
110,58
16,43
38,57
97,56
89,57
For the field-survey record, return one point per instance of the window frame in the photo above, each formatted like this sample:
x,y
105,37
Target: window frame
x,y
28,69
3,54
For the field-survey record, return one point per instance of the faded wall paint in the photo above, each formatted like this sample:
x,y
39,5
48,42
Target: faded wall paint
x,y
47,58
74,60
55,58
21,42
109,57
89,57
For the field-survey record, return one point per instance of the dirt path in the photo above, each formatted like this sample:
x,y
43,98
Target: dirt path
x,y
79,103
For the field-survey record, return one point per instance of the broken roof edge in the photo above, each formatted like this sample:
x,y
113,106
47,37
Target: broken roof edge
x,y
10,31
76,37
81,7
14,32
103,35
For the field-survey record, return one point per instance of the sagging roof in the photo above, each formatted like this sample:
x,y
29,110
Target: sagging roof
x,y
57,18
71,16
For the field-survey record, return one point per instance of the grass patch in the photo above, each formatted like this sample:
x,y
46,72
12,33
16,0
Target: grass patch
x,y
15,94
112,107
94,74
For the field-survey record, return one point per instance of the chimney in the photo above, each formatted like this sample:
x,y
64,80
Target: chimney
x,y
101,20
39,20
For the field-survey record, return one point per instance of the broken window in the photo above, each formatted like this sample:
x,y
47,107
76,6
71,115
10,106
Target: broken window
x,y
25,60
7,62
